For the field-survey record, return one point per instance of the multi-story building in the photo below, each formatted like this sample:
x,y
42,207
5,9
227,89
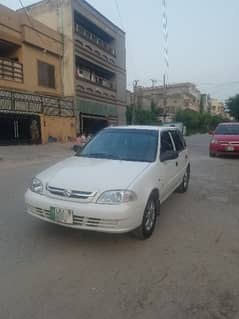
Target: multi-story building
x,y
216,107
31,97
94,60
169,100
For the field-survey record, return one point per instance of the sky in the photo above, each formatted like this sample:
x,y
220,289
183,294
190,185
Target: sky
x,y
203,41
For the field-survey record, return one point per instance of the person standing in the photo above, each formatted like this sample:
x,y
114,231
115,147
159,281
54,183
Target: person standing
x,y
35,135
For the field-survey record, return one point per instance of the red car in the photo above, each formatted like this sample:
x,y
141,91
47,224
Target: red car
x,y
225,140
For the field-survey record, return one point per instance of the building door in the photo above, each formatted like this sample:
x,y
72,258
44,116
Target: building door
x,y
93,124
17,128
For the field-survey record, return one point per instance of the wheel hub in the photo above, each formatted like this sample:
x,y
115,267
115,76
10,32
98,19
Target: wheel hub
x,y
150,216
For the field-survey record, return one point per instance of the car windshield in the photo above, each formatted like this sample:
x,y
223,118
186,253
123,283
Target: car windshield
x,y
137,145
227,130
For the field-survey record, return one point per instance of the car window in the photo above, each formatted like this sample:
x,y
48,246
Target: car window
x,y
123,144
177,140
182,139
166,143
229,129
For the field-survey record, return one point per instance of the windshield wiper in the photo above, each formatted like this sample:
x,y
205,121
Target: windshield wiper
x,y
100,155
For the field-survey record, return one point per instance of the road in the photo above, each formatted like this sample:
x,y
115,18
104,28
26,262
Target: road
x,y
187,269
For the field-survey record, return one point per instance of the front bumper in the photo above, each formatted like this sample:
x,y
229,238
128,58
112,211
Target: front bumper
x,y
89,216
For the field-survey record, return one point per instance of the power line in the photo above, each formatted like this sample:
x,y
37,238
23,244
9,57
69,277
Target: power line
x,y
29,18
119,14
132,61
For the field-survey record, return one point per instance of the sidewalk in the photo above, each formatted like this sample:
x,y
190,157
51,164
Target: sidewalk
x,y
22,155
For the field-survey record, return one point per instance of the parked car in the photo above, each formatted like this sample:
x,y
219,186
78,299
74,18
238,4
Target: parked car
x,y
225,140
116,184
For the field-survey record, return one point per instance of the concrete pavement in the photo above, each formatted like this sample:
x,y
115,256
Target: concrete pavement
x,y
188,269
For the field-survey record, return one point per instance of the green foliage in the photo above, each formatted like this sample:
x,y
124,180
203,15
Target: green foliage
x,y
198,122
129,114
233,106
141,117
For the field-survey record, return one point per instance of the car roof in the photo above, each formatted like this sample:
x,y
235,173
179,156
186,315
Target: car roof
x,y
144,127
229,123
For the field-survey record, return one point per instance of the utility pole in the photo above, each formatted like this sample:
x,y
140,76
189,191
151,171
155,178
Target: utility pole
x,y
164,98
135,84
165,76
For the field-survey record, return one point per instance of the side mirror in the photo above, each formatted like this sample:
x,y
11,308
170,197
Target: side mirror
x,y
211,132
169,155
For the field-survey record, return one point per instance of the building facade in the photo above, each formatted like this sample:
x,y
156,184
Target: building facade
x,y
216,107
31,95
169,100
94,60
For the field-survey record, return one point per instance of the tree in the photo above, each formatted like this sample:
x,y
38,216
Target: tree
x,y
141,117
233,106
196,122
129,114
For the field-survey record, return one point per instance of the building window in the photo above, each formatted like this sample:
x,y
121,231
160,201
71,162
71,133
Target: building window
x,y
46,74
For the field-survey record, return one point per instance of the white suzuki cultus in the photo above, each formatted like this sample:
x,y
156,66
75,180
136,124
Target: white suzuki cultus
x,y
116,184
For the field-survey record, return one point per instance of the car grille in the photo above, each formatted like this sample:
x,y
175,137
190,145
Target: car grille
x,y
70,194
95,222
79,220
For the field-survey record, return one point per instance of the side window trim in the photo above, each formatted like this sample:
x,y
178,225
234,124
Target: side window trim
x,y
174,146
178,133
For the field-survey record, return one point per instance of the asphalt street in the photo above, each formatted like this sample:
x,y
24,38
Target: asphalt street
x,y
189,268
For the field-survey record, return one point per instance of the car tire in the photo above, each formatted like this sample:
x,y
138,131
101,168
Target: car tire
x,y
146,229
212,154
183,187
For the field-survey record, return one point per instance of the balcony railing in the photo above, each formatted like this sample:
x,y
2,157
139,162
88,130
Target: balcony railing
x,y
11,70
89,88
95,79
94,39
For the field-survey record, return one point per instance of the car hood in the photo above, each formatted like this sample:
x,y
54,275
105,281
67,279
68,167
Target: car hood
x,y
92,175
227,138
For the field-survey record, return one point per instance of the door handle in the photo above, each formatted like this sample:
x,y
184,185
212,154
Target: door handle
x,y
176,163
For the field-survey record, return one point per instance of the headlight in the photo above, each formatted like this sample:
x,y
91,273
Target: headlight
x,y
214,141
36,186
116,197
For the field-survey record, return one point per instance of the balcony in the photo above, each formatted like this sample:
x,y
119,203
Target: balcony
x,y
11,70
92,51
93,90
91,37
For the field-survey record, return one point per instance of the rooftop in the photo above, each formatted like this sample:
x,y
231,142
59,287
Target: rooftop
x,y
85,2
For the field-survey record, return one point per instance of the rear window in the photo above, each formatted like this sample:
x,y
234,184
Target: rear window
x,y
232,129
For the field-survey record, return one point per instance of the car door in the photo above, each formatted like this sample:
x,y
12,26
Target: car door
x,y
182,160
167,169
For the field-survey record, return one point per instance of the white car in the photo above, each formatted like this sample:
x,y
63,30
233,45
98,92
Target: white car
x,y
116,183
